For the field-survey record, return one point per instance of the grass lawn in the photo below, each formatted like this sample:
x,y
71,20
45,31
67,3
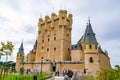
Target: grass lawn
x,y
42,76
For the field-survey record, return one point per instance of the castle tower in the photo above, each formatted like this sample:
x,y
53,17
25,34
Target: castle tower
x,y
20,57
54,37
90,49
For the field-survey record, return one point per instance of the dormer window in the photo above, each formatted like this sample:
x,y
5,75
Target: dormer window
x,y
75,46
88,35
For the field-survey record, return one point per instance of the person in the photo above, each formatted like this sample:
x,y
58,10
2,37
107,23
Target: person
x,y
84,71
70,74
35,75
22,70
57,73
75,76
65,76
64,72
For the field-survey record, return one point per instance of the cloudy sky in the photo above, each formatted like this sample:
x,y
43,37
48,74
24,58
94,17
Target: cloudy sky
x,y
19,20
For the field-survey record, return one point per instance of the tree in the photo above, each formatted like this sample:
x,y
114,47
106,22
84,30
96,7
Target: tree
x,y
6,48
108,74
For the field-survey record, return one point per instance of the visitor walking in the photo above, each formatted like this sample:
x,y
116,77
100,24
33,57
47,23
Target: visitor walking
x,y
75,76
70,74
35,75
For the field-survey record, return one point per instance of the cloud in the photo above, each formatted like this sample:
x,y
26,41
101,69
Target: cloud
x,y
30,29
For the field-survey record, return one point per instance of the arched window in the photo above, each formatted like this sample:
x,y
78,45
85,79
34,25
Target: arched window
x,y
48,39
91,60
47,49
54,48
54,38
68,49
90,46
84,47
43,40
42,47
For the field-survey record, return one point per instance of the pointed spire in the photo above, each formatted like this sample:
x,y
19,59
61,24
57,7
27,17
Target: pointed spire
x,y
106,52
89,35
100,49
35,45
21,49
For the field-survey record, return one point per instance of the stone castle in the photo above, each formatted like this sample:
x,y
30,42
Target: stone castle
x,y
53,50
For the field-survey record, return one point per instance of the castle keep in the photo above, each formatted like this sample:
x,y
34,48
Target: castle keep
x,y
53,50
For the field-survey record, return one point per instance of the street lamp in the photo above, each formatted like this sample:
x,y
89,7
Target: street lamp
x,y
41,63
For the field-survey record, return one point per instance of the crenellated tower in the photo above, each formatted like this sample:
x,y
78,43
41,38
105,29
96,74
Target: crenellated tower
x,y
54,37
20,57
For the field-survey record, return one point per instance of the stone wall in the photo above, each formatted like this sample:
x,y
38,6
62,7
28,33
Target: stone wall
x,y
47,66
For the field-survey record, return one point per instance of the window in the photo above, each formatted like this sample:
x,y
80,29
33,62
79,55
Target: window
x,y
68,49
54,48
20,55
70,58
91,60
48,39
47,49
90,46
95,46
88,35
98,61
54,38
75,46
84,47
42,40
48,35
42,47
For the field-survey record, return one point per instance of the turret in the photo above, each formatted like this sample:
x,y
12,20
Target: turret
x,y
90,49
20,57
89,42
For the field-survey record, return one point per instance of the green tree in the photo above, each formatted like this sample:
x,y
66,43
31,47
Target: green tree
x,y
7,49
108,74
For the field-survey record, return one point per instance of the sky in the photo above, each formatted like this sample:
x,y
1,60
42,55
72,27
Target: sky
x,y
19,20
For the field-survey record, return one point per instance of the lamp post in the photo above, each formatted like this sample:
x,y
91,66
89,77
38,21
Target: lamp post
x,y
41,63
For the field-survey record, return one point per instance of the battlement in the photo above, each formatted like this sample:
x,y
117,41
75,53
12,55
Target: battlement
x,y
62,18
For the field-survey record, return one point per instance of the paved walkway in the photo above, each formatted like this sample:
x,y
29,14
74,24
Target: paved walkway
x,y
56,78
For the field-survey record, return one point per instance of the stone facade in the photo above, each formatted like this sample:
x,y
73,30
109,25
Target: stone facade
x,y
54,46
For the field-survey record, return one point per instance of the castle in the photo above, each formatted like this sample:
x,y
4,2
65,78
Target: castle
x,y
53,50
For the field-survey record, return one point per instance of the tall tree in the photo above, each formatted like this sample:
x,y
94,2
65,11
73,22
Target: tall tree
x,y
6,49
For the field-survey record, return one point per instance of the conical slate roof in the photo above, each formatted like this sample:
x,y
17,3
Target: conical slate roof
x,y
21,49
89,35
76,47
35,45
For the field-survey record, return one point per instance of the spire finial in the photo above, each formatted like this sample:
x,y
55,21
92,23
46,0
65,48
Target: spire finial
x,y
89,19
